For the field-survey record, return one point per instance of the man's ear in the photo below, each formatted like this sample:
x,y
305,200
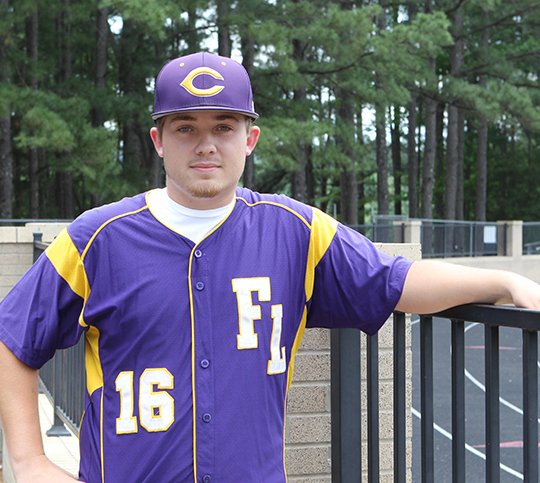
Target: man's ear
x,y
156,139
253,137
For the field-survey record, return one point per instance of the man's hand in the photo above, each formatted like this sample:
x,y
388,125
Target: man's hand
x,y
523,292
20,421
40,469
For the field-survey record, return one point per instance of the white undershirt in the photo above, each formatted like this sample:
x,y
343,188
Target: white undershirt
x,y
193,224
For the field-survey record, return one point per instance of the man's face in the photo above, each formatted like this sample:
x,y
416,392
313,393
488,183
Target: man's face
x,y
204,153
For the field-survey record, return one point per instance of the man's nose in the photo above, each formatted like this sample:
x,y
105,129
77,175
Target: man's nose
x,y
206,145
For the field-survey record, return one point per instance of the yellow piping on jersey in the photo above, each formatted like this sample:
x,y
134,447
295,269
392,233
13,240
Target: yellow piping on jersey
x,y
96,233
192,315
279,205
298,338
323,230
101,436
66,260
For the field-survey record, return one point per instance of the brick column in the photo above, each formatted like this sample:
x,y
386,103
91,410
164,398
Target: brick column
x,y
308,429
510,238
412,231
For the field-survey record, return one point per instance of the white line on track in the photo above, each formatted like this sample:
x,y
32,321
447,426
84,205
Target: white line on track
x,y
468,447
481,386
477,383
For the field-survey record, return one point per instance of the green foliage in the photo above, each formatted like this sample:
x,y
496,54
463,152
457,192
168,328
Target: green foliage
x,y
42,128
311,59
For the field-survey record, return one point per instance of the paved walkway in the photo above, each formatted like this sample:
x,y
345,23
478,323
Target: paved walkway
x,y
62,450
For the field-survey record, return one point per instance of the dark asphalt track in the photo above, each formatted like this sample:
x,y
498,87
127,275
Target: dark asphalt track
x,y
510,387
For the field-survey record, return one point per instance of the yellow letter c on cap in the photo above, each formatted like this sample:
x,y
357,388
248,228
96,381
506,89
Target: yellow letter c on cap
x,y
187,83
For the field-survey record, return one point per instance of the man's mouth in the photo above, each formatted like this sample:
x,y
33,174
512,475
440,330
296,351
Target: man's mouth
x,y
205,167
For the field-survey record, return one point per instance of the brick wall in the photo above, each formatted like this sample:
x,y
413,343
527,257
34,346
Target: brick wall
x,y
308,430
16,250
307,452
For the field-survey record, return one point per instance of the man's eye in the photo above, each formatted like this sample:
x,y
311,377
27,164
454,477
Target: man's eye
x,y
184,129
224,128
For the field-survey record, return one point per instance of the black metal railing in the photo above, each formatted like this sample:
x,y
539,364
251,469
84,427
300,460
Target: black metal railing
x,y
346,417
62,379
346,403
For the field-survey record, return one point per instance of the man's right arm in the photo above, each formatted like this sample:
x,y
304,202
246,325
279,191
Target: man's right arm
x,y
19,416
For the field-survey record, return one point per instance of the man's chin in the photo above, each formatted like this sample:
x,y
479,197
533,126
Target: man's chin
x,y
206,191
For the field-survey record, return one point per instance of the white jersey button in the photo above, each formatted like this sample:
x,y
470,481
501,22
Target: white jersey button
x,y
199,286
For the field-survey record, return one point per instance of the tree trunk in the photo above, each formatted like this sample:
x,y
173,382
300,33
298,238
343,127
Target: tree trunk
x,y
6,166
460,195
412,157
481,171
65,195
381,160
310,177
381,155
345,141
224,36
6,148
450,185
33,162
482,148
451,175
299,189
430,147
412,145
191,37
247,46
102,37
396,159
430,150
438,189
132,81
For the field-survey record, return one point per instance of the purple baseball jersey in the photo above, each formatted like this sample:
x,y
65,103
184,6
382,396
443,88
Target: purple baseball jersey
x,y
190,348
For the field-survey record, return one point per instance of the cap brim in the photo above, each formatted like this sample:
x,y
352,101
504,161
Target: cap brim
x,y
157,115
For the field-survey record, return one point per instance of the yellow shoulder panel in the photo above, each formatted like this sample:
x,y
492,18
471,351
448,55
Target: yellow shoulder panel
x,y
323,229
66,260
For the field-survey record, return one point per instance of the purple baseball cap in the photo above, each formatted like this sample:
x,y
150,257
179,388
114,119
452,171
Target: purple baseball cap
x,y
203,81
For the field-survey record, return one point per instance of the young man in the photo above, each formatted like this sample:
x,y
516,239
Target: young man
x,y
193,300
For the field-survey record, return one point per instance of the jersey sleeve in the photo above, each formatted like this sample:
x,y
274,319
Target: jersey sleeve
x,y
42,312
354,285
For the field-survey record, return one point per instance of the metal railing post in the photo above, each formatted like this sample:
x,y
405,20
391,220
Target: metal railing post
x,y
373,434
458,400
57,428
38,238
400,398
426,396
493,452
530,406
346,406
